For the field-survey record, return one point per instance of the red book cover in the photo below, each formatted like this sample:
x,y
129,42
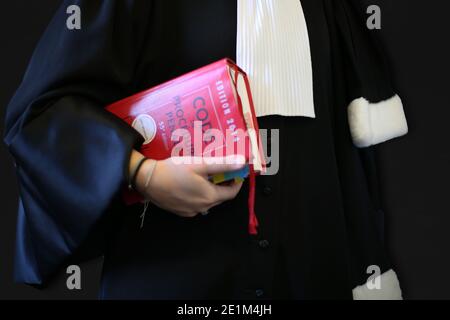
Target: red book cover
x,y
207,98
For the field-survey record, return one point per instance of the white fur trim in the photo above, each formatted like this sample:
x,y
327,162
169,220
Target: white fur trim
x,y
389,289
373,123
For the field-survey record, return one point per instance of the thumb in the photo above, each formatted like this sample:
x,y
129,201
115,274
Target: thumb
x,y
213,165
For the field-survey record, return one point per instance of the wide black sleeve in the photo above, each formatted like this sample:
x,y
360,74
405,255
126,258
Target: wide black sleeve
x,y
71,155
375,111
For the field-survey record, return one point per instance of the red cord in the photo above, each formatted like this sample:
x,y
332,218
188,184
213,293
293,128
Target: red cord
x,y
252,220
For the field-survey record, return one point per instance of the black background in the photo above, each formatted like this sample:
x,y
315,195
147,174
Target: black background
x,y
415,170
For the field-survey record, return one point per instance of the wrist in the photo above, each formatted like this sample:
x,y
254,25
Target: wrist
x,y
135,157
144,177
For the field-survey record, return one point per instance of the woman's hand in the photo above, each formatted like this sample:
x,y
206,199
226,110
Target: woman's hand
x,y
181,186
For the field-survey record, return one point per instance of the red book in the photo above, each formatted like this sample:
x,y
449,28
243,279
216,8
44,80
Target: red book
x,y
206,112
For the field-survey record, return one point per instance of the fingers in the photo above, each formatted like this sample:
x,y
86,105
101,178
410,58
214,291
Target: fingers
x,y
227,192
214,165
186,191
219,194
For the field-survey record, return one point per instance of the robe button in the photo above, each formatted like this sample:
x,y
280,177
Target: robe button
x,y
259,293
267,191
264,244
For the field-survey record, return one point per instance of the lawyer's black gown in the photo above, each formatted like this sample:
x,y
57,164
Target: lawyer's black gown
x,y
320,217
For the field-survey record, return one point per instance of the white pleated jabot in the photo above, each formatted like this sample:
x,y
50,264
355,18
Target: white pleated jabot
x,y
273,48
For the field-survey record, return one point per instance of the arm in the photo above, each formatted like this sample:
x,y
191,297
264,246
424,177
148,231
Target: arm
x,y
375,111
71,154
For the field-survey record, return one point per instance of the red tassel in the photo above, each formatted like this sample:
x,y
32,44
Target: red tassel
x,y
252,220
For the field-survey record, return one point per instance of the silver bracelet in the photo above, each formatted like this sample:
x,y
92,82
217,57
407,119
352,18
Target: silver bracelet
x,y
151,169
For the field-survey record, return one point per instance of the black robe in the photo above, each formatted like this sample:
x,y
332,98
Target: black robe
x,y
321,222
